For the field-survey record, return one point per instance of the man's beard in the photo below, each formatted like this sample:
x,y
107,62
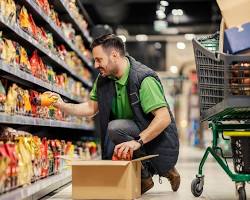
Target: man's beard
x,y
111,70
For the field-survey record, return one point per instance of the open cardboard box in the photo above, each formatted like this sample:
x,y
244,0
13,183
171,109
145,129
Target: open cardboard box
x,y
107,179
221,40
236,17
235,12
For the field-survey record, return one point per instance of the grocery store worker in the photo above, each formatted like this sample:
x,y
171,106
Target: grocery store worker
x,y
133,111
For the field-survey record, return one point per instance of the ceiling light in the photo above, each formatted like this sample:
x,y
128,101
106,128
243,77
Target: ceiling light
x,y
124,39
160,14
177,12
173,69
141,37
180,45
164,3
180,12
174,12
189,36
162,8
157,45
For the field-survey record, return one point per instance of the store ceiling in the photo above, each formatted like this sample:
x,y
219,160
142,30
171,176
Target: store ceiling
x,y
138,16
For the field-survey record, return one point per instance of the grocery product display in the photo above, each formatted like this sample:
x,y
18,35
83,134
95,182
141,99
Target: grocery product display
x,y
26,158
24,20
42,50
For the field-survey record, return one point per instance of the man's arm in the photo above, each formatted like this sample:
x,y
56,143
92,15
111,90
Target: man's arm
x,y
158,124
88,108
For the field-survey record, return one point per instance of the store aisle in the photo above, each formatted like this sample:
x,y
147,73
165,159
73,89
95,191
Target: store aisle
x,y
217,185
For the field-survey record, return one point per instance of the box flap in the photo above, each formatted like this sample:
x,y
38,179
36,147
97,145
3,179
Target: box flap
x,y
100,163
144,158
235,12
69,158
221,40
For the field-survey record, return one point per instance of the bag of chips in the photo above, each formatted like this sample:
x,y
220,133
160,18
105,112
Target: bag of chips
x,y
24,60
35,64
10,11
4,168
34,28
2,96
24,20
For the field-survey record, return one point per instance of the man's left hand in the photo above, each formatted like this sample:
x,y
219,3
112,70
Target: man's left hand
x,y
122,149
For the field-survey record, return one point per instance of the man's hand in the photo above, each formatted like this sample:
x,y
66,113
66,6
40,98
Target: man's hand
x,y
59,101
122,149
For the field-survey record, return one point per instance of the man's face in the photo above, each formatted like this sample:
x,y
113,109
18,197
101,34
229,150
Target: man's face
x,y
105,61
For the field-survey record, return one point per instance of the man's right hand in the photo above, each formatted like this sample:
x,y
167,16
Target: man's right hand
x,y
59,102
89,108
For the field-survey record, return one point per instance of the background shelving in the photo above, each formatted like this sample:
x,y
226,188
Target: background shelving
x,y
52,129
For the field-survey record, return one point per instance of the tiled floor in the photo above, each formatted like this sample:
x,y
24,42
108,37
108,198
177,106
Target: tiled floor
x,y
217,185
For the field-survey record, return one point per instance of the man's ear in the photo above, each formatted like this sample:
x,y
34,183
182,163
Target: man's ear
x,y
114,55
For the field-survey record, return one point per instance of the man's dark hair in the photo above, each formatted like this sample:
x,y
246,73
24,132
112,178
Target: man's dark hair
x,y
110,41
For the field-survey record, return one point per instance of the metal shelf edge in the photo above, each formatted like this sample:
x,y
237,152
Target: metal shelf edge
x,y
32,189
34,121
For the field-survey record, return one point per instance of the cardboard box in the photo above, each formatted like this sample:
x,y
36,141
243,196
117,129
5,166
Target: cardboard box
x,y
221,40
235,12
237,39
107,179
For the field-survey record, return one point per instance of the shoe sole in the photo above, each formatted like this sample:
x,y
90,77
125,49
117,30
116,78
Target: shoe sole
x,y
178,185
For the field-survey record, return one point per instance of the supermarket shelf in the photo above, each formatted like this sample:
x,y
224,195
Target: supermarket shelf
x,y
40,188
57,31
34,121
62,4
28,79
31,41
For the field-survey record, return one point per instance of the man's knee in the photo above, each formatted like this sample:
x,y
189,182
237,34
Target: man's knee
x,y
113,128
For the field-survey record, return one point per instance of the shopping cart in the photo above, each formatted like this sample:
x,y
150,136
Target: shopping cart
x,y
224,91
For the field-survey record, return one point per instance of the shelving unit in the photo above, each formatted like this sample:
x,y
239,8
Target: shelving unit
x,y
22,35
35,9
40,188
63,7
13,72
33,121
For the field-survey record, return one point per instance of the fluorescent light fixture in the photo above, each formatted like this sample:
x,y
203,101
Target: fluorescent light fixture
x,y
124,39
189,36
164,3
180,45
173,69
141,38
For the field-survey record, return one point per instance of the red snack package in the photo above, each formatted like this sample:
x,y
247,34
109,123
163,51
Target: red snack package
x,y
33,27
35,64
11,149
128,157
45,160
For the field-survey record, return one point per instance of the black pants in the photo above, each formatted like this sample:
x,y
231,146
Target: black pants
x,y
123,130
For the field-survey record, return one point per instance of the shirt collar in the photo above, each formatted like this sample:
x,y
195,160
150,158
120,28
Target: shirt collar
x,y
123,80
